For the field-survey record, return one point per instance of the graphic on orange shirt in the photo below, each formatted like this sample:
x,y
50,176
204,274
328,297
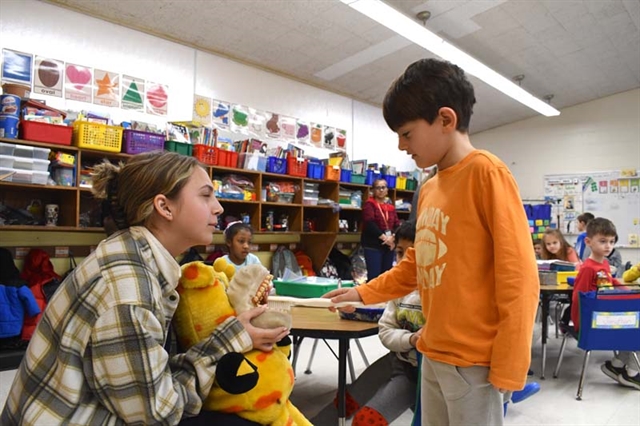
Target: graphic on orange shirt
x,y
430,247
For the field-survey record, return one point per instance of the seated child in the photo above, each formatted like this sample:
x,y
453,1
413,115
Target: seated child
x,y
238,237
594,273
537,247
582,222
615,261
556,247
387,388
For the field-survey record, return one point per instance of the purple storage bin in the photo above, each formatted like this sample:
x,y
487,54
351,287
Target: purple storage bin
x,y
136,142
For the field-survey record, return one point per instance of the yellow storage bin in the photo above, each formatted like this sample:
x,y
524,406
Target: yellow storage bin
x,y
563,275
401,182
97,136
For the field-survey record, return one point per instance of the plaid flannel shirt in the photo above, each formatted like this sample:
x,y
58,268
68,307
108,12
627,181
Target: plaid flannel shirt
x,y
97,356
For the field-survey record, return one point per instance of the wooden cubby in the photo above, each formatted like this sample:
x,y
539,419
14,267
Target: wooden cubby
x,y
79,212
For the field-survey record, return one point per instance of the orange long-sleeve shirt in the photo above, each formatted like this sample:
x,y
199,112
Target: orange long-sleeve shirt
x,y
475,267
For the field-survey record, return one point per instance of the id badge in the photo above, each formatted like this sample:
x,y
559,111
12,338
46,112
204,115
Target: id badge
x,y
387,233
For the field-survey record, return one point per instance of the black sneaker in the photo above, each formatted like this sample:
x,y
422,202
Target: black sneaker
x,y
611,371
626,380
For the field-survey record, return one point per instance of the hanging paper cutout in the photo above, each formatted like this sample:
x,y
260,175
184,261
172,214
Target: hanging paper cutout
x,y
106,88
16,67
257,123
77,85
220,117
316,134
288,128
302,132
132,93
48,77
341,139
240,119
273,126
157,97
201,110
329,137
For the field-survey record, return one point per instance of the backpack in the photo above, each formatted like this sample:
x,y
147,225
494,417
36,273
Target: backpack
x,y
283,259
329,269
306,265
342,263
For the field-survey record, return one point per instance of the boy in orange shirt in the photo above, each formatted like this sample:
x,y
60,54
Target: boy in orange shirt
x,y
473,261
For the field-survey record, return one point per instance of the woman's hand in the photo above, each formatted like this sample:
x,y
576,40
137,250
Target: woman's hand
x,y
343,295
262,338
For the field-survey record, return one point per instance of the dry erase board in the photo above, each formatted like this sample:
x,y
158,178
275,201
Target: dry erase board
x,y
611,194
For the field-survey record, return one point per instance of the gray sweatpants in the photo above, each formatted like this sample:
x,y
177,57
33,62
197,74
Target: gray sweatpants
x,y
452,396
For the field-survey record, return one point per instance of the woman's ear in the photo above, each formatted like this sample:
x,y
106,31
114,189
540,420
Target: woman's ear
x,y
449,119
161,206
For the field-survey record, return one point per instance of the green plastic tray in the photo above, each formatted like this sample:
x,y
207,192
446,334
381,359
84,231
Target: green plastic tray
x,y
308,286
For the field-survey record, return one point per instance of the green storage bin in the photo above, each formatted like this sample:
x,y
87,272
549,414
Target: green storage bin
x,y
306,287
179,147
411,185
358,178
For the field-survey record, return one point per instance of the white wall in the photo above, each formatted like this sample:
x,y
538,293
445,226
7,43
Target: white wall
x,y
599,135
40,28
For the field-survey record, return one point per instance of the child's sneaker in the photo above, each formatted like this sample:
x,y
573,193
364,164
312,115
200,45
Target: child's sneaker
x,y
626,380
611,371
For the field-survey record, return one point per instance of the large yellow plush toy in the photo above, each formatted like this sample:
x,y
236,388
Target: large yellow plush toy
x,y
255,385
632,274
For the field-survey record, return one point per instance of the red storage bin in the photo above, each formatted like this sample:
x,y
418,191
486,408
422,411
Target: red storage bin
x,y
206,154
45,132
297,166
226,158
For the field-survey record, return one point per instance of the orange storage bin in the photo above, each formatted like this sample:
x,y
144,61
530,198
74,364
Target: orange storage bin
x,y
332,173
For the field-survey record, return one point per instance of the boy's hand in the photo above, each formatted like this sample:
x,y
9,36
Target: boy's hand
x,y
343,295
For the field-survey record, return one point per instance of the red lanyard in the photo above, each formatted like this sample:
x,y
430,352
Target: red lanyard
x,y
385,215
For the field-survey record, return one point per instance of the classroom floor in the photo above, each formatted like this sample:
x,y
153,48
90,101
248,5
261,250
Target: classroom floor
x,y
604,401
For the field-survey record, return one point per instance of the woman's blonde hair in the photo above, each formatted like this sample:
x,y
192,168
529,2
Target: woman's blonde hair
x,y
128,189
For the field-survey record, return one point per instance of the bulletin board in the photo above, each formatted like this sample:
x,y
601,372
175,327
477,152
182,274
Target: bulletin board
x,y
611,194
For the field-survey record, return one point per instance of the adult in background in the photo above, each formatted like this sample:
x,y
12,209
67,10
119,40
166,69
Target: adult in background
x,y
379,220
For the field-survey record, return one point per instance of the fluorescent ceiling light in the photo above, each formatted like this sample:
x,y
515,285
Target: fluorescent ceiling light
x,y
413,31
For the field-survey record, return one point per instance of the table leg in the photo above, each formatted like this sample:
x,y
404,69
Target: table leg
x,y
297,341
546,300
343,350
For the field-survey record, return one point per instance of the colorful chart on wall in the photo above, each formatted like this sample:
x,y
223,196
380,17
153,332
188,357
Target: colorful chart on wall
x,y
220,114
201,113
77,86
302,132
132,93
16,67
106,88
48,77
157,98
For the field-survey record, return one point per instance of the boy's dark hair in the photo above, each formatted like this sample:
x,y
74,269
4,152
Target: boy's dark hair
x,y
586,217
601,226
537,241
233,228
406,231
426,86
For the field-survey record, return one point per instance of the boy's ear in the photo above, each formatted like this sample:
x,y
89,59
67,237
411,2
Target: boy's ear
x,y
587,241
449,119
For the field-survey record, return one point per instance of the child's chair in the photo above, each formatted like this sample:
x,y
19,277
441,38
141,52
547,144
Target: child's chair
x,y
609,321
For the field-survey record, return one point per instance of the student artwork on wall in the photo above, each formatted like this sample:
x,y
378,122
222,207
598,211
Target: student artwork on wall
x,y
257,123
157,98
132,93
273,125
288,128
302,132
240,119
201,113
106,88
16,67
77,86
220,114
341,140
329,137
48,76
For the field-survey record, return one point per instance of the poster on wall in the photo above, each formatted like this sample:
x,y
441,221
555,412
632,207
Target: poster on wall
x,y
316,134
239,119
77,83
329,137
48,76
341,140
132,93
635,185
201,113
16,67
604,187
273,126
288,128
157,98
220,114
302,132
257,123
106,88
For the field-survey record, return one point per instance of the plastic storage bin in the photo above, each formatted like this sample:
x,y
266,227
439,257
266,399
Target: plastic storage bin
x,y
252,161
226,158
7,148
25,176
391,180
136,142
401,182
371,177
297,166
45,132
359,179
6,161
22,163
308,286
315,169
179,147
205,154
277,165
34,152
332,173
411,185
345,175
97,136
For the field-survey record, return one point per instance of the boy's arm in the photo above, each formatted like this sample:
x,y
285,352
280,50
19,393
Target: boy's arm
x,y
584,282
517,287
392,336
396,282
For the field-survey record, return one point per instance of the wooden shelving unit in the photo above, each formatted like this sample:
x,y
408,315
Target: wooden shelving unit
x,y
77,201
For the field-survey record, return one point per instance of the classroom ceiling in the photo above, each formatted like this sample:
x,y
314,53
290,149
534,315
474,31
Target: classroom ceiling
x,y
576,51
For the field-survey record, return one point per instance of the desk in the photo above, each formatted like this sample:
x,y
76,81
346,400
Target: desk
x,y
322,324
547,291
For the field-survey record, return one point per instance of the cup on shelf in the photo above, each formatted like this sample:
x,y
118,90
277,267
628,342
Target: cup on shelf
x,y
51,212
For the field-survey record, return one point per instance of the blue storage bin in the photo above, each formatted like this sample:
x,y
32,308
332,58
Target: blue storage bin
x,y
372,176
277,165
345,176
315,169
391,180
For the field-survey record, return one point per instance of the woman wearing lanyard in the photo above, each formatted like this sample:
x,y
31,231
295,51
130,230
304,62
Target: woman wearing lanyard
x,y
379,219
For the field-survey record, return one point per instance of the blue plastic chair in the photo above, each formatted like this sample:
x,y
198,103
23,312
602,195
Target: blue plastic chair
x,y
609,321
